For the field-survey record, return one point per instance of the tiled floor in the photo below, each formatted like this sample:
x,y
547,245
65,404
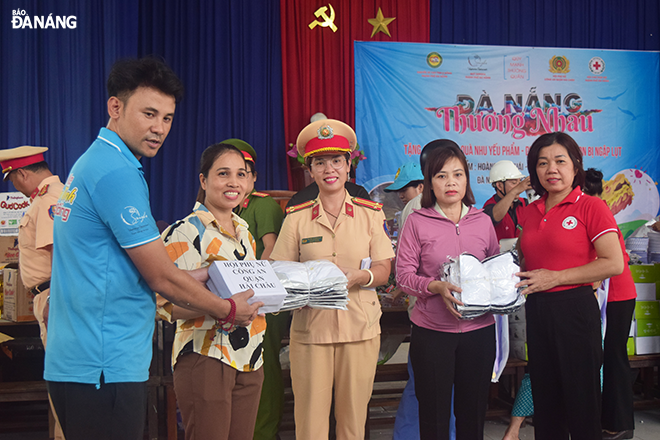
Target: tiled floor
x,y
647,427
647,422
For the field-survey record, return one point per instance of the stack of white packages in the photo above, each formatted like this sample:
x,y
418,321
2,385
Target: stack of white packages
x,y
654,247
487,286
640,247
317,283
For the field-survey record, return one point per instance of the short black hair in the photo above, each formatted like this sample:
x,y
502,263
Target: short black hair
x,y
128,74
412,183
252,168
36,167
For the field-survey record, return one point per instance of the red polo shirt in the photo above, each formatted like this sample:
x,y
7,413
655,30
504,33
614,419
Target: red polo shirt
x,y
563,237
508,226
622,287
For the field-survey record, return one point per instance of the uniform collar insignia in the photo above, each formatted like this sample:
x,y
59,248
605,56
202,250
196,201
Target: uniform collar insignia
x,y
349,209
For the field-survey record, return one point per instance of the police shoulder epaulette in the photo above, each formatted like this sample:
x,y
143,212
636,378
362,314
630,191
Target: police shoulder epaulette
x,y
260,194
367,203
303,205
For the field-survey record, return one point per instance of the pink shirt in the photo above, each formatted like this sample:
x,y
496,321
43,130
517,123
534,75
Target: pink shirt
x,y
427,241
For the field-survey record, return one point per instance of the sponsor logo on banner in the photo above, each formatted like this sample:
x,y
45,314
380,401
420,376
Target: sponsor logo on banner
x,y
559,64
476,62
21,20
434,60
597,65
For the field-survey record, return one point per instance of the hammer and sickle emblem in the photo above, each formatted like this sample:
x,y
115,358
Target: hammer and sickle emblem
x,y
327,21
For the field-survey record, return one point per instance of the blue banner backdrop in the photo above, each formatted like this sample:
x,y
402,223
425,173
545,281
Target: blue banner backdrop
x,y
494,101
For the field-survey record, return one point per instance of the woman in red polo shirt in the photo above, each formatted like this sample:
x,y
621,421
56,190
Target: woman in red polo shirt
x,y
569,240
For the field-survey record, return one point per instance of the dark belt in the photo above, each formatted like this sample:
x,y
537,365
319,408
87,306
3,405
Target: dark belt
x,y
36,290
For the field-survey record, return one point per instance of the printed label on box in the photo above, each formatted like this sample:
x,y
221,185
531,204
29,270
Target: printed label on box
x,y
648,327
645,273
12,208
647,310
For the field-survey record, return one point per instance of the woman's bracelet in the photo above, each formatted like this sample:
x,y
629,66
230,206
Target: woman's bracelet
x,y
371,278
231,317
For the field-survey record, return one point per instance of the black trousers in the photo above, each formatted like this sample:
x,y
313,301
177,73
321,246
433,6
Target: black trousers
x,y
617,412
441,361
115,411
565,355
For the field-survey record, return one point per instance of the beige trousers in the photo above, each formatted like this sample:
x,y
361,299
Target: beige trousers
x,y
38,307
315,369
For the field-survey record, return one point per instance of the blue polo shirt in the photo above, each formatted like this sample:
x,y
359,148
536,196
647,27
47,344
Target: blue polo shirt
x,y
101,310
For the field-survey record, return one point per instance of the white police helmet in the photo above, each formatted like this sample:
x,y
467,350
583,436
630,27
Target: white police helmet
x,y
504,170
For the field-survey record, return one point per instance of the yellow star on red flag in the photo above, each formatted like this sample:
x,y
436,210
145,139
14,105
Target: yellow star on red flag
x,y
380,24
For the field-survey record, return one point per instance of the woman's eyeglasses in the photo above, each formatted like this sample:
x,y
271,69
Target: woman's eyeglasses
x,y
336,162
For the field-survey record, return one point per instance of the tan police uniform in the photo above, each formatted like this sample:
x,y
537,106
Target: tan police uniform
x,y
334,347
35,238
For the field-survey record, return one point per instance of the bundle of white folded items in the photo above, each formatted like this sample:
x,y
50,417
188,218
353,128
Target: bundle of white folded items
x,y
486,286
316,283
227,278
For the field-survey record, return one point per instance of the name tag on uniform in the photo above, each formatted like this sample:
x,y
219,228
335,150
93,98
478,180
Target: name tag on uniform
x,y
312,240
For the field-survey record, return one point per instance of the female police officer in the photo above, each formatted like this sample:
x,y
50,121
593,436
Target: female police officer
x,y
335,348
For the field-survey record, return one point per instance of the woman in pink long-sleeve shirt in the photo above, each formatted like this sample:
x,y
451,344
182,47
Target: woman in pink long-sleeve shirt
x,y
446,351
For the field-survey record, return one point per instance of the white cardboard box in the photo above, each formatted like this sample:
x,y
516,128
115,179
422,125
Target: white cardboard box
x,y
647,344
518,349
645,291
228,278
517,331
517,317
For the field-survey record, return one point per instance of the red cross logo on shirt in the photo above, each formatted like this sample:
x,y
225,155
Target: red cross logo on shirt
x,y
569,223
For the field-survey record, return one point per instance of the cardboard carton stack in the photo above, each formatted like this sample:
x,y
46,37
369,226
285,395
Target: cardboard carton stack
x,y
18,300
646,324
518,335
15,300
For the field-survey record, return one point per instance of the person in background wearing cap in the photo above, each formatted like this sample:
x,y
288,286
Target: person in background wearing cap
x,y
108,260
264,217
27,170
335,349
408,182
505,207
263,214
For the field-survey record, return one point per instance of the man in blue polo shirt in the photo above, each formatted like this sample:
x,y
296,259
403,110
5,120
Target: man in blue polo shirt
x,y
108,260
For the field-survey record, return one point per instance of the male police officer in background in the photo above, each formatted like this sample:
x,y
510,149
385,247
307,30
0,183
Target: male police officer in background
x,y
29,173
